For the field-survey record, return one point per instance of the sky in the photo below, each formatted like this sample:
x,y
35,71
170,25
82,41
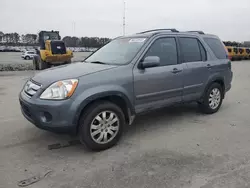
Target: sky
x,y
229,19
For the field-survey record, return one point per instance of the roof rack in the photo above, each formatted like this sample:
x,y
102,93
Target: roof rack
x,y
173,30
200,32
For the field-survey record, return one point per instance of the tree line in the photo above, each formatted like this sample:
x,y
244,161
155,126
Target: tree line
x,y
15,39
88,42
238,44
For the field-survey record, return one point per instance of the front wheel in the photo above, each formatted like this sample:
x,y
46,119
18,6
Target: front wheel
x,y
212,99
101,126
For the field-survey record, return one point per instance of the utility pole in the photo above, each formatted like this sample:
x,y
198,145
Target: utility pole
x,y
124,17
74,27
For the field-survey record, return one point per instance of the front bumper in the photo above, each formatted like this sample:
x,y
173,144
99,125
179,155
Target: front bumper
x,y
54,116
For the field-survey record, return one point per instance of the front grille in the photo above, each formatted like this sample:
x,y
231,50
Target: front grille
x,y
31,88
58,47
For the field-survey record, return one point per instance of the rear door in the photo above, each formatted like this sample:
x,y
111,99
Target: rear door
x,y
196,72
221,65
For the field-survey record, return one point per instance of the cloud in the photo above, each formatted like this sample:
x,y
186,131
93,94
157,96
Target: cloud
x,y
225,18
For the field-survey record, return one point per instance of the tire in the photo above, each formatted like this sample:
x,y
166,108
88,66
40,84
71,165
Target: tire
x,y
35,63
88,121
27,58
206,106
67,62
42,64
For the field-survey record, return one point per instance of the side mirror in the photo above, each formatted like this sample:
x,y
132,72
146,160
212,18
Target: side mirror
x,y
150,61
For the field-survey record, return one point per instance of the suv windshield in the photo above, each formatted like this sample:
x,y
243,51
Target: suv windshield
x,y
117,52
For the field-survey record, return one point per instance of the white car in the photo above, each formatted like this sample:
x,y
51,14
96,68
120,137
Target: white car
x,y
28,54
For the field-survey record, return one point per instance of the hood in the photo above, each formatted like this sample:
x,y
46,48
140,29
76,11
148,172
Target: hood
x,y
74,70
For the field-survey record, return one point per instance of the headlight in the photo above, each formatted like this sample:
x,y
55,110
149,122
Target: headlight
x,y
60,90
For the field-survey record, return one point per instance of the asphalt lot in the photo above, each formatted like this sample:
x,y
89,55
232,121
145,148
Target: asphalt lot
x,y
173,147
15,57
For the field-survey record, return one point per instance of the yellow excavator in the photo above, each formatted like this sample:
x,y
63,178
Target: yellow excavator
x,y
52,51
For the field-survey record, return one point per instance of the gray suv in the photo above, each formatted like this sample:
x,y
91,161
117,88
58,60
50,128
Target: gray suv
x,y
95,99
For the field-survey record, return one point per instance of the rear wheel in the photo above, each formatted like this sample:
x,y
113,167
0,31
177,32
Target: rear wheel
x,y
68,62
212,99
42,64
27,57
35,63
101,126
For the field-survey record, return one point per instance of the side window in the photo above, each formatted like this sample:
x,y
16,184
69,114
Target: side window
x,y
190,49
217,47
229,50
203,52
165,49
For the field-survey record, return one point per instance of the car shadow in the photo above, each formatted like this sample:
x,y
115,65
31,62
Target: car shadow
x,y
162,118
151,121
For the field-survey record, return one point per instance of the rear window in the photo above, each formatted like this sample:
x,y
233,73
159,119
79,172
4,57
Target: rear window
x,y
217,47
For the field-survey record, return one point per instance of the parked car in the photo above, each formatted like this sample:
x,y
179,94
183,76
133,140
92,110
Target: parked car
x,y
97,98
28,55
248,53
231,52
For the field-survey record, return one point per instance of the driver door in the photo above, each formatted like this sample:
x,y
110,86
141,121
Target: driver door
x,y
159,86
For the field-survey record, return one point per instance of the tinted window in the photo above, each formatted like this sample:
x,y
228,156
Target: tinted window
x,y
203,52
190,49
217,47
248,51
165,49
229,50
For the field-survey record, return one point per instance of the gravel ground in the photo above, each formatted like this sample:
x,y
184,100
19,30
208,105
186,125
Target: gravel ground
x,y
173,147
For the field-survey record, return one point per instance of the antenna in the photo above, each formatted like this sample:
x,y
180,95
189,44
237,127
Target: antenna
x,y
124,17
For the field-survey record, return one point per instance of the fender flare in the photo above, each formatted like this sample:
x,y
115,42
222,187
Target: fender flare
x,y
212,80
100,95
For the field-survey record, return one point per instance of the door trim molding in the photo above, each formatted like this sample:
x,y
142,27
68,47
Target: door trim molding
x,y
143,96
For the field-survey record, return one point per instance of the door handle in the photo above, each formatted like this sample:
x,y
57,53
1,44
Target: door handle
x,y
209,66
175,70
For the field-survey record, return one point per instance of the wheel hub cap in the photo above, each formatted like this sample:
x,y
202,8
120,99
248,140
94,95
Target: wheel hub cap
x,y
214,98
104,127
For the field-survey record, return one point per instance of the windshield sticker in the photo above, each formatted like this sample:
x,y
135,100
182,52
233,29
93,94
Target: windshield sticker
x,y
137,40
